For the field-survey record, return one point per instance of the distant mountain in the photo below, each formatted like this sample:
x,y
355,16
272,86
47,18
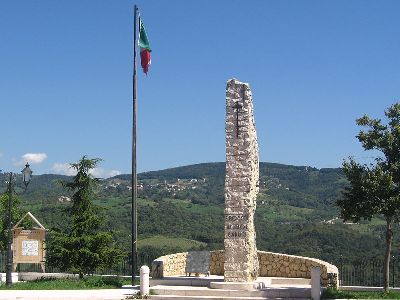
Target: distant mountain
x,y
299,186
216,169
295,203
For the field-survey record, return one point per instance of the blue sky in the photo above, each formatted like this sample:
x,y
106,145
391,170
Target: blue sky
x,y
313,66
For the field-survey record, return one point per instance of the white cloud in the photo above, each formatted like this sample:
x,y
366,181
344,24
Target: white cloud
x,y
63,169
97,172
113,173
66,169
31,158
101,173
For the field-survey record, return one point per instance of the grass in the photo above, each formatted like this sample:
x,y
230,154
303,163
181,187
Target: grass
x,y
283,212
89,282
196,208
160,240
182,202
139,296
338,294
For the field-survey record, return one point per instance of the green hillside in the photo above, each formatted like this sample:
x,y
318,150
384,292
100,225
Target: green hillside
x,y
182,209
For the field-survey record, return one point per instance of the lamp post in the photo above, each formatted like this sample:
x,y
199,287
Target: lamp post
x,y
26,176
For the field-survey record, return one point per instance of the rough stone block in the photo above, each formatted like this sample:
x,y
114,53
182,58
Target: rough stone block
x,y
242,175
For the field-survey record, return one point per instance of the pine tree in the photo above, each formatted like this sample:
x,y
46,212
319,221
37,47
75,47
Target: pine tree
x,y
83,248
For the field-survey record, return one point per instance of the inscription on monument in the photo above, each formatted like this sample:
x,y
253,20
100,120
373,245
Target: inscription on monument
x,y
236,226
236,218
235,234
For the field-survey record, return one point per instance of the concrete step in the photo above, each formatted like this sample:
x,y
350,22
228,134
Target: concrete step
x,y
186,281
205,281
267,293
169,297
290,281
215,298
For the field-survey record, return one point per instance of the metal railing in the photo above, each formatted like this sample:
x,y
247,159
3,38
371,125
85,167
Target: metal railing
x,y
122,268
367,273
359,273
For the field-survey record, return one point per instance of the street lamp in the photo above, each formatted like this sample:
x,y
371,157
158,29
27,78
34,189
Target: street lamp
x,y
26,177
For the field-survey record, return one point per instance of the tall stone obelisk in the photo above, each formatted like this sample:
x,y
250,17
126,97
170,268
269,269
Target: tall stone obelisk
x,y
241,185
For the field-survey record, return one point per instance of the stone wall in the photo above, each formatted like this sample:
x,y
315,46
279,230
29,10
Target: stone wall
x,y
291,266
271,265
169,265
217,262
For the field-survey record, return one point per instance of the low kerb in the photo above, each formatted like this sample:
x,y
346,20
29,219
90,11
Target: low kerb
x,y
238,286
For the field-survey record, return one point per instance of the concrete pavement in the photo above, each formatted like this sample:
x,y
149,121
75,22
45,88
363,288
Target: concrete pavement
x,y
106,294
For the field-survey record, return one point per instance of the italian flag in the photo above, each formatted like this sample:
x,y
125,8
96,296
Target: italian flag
x,y
145,49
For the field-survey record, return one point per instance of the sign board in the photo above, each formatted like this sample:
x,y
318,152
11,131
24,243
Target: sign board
x,y
198,262
29,244
30,248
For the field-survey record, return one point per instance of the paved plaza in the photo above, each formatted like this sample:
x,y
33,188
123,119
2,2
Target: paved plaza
x,y
106,294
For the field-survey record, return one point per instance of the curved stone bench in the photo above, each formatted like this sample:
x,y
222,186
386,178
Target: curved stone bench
x,y
271,265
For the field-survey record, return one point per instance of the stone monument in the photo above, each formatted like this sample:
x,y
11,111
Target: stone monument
x,y
241,185
240,262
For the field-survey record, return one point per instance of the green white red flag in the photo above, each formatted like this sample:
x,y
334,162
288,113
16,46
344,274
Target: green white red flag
x,y
144,44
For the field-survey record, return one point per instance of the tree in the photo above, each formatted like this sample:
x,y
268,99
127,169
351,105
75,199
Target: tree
x,y
83,248
16,215
375,189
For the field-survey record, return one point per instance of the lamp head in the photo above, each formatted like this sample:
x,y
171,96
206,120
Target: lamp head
x,y
26,174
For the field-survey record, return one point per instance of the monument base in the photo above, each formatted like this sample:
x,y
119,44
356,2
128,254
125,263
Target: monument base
x,y
238,286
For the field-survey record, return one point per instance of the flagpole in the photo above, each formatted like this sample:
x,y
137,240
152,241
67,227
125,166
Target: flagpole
x,y
134,176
